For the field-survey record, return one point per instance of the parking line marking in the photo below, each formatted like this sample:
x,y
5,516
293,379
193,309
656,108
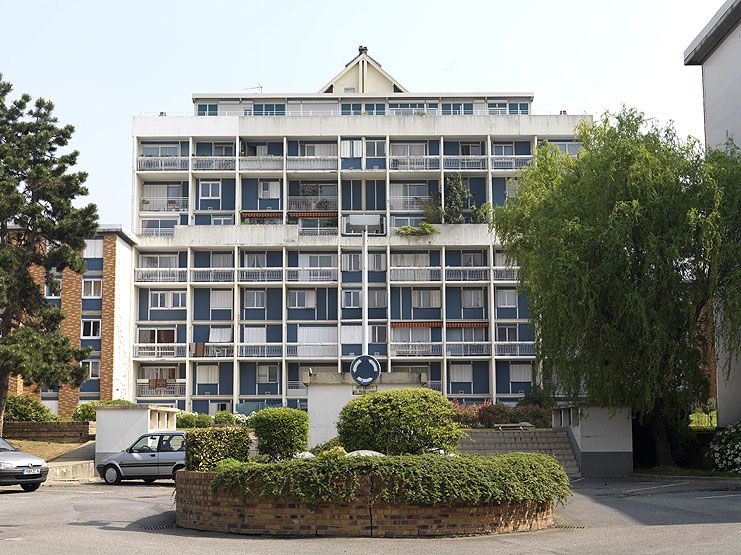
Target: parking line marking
x,y
654,487
717,496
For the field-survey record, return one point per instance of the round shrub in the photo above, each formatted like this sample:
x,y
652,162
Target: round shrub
x,y
281,432
224,417
337,451
204,448
398,422
185,420
203,420
85,412
725,449
26,408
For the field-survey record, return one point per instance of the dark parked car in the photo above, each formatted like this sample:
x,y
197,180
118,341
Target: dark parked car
x,y
19,468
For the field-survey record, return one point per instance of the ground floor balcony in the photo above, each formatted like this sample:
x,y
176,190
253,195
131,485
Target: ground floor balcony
x,y
515,348
212,350
256,350
164,204
467,274
258,275
311,350
468,349
311,274
415,273
212,275
160,388
416,349
161,275
159,350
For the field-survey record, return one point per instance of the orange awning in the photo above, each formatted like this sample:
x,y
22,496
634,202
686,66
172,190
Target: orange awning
x,y
261,214
416,324
313,214
466,324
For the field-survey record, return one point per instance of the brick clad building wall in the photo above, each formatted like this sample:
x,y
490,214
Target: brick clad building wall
x,y
107,329
200,508
71,305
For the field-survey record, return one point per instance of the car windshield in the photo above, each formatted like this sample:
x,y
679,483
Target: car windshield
x,y
5,446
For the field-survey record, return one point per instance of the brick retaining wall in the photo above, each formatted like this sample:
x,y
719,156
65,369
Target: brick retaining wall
x,y
198,507
62,432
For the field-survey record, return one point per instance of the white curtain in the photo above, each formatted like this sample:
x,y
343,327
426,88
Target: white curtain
x,y
461,373
207,374
254,335
221,299
220,335
352,334
520,373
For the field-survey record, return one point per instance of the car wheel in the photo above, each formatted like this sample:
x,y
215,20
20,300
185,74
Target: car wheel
x,y
149,480
111,475
174,470
30,487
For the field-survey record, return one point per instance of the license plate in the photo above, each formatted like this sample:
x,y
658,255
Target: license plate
x,y
31,471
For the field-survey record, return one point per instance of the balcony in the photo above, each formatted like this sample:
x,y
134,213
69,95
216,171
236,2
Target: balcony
x,y
254,275
211,275
161,275
505,273
468,349
461,163
414,273
146,388
467,274
162,164
214,163
311,274
311,163
312,203
159,350
261,163
416,349
156,232
212,350
317,231
296,389
312,350
515,349
164,204
260,350
414,163
408,203
510,162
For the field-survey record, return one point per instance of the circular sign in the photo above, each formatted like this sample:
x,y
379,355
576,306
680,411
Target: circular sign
x,y
365,370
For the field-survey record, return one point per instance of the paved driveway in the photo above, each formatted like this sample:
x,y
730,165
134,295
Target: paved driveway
x,y
635,516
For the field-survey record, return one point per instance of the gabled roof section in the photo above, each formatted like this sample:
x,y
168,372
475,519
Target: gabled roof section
x,y
726,19
363,74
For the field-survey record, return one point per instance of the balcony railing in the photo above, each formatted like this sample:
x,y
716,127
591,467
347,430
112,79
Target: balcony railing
x,y
164,204
323,350
296,389
464,162
212,275
515,349
467,274
261,163
414,163
159,350
505,273
163,163
260,274
211,350
260,350
435,385
414,273
317,231
156,232
510,162
311,274
468,349
214,163
408,203
416,349
312,203
171,389
164,275
311,163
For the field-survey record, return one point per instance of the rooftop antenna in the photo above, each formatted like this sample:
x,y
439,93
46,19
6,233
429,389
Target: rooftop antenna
x,y
257,88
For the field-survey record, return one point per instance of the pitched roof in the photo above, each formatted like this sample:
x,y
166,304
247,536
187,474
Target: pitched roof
x,y
720,26
361,62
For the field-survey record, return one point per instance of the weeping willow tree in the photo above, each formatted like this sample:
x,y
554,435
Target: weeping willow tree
x,y
620,250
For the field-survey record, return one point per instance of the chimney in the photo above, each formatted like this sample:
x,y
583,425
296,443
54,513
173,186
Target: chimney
x,y
362,49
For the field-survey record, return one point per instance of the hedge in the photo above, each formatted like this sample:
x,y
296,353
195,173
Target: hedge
x,y
204,448
185,420
421,480
26,408
281,432
398,422
489,415
85,412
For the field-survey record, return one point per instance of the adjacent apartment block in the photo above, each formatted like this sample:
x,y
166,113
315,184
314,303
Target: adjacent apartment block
x,y
247,273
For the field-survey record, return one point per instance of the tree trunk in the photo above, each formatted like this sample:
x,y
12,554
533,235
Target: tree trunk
x,y
661,442
4,383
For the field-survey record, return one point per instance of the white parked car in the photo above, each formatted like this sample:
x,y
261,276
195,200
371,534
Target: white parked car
x,y
154,456
19,468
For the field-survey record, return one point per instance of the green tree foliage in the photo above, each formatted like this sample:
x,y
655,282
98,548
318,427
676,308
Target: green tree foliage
x,y
85,412
281,432
39,226
619,250
26,408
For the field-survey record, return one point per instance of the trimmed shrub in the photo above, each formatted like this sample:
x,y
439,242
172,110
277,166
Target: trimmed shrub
x,y
26,408
492,415
413,480
725,450
85,412
203,420
204,448
185,420
337,451
225,417
466,415
281,432
326,446
399,422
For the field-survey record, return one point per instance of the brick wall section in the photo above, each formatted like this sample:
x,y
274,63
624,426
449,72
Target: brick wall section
x,y
107,330
200,508
72,307
64,432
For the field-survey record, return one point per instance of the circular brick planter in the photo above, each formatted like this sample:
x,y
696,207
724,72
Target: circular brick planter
x,y
200,508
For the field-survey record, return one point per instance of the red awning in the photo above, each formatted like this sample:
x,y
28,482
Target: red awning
x,y
466,324
416,324
313,214
261,214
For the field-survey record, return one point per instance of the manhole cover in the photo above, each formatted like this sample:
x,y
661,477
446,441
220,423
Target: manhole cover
x,y
567,527
159,526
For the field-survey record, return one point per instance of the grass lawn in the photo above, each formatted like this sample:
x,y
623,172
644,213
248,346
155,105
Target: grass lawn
x,y
47,450
699,472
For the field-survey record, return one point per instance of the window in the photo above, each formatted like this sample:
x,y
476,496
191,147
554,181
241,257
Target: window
x,y
178,299
569,147
220,334
300,298
208,110
92,367
207,374
90,329
470,149
414,221
221,260
457,108
506,333
93,248
518,108
377,298
497,108
461,373
269,110
55,291
158,260
255,335
351,298
375,109
377,262
160,150
426,298
506,298
167,299
317,335
146,444
351,109
411,335
351,262
157,372
351,335
321,260
510,188
408,149
223,149
467,335
255,260
221,300
410,259
375,148
254,298
351,148
503,149
267,373
156,335
222,220
520,373
377,333
210,190
269,190
472,298
472,259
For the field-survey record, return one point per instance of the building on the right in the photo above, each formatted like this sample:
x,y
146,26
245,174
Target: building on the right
x,y
718,50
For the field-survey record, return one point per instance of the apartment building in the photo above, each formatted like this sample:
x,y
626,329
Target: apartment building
x,y
247,272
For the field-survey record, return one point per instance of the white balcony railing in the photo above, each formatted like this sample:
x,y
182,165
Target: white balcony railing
x,y
435,385
414,163
311,274
171,389
164,204
260,274
323,350
466,349
467,274
416,349
414,273
261,163
156,232
408,203
260,350
515,348
311,163
296,389
212,275
212,350
464,162
505,273
312,203
163,163
214,163
317,231
160,350
510,162
163,275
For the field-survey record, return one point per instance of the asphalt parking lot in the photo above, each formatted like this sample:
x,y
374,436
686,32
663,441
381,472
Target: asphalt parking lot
x,y
632,516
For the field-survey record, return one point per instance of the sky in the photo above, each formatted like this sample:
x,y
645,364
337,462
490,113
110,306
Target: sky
x,y
102,62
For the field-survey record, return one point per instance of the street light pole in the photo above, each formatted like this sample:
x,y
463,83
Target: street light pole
x,y
364,221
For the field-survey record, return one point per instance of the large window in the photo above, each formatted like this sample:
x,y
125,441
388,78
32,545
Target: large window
x,y
520,373
160,150
93,248
210,190
268,190
377,298
301,298
375,148
221,260
269,110
255,260
167,299
506,298
208,110
467,335
503,149
472,259
497,108
351,148
158,260
377,333
207,374
53,291
506,333
351,298
472,298
515,108
408,149
411,335
156,335
426,298
90,329
461,373
221,300
267,373
321,260
254,298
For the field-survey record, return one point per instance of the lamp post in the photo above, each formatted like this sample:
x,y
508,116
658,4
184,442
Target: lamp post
x,y
364,221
